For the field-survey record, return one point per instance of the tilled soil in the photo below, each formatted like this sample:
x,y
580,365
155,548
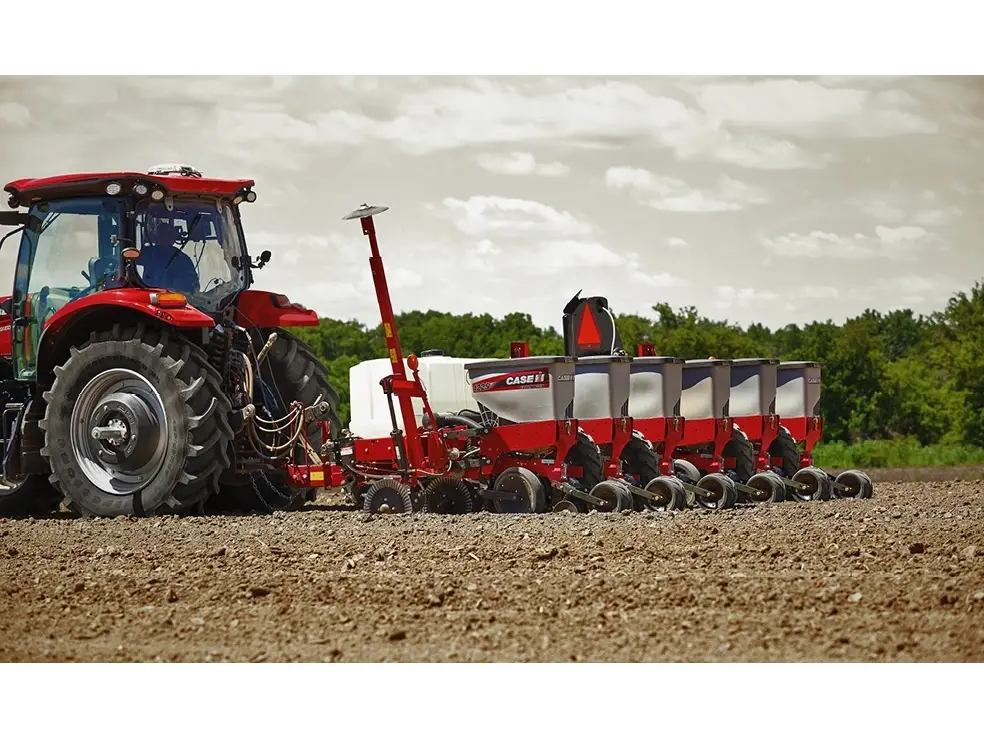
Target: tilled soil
x,y
896,578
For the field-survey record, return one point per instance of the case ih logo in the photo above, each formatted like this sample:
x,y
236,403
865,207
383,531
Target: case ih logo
x,y
535,379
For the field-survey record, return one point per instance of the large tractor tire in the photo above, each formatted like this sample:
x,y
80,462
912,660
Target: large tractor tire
x,y
784,447
294,373
159,389
30,497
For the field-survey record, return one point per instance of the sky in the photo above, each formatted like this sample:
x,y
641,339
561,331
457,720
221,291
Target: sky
x,y
755,199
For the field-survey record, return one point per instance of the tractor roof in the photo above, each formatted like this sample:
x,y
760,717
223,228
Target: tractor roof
x,y
24,192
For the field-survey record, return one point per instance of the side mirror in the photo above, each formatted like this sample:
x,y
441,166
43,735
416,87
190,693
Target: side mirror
x,y
14,218
265,256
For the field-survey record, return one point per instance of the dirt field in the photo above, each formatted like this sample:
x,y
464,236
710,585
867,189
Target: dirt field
x,y
896,578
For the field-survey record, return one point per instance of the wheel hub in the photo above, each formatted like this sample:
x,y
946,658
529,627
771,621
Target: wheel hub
x,y
119,431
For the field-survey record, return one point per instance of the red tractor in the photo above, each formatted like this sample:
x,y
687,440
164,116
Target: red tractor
x,y
141,373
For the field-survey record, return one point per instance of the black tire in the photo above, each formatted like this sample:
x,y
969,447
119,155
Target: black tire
x,y
722,493
784,447
389,492
30,497
585,454
742,451
190,391
294,373
640,461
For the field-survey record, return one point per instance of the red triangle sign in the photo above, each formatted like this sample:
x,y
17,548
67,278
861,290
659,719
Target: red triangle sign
x,y
587,332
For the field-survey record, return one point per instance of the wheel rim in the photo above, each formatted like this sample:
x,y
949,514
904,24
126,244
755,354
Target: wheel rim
x,y
130,415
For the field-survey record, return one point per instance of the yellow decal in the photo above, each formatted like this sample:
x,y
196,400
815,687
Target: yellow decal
x,y
317,476
388,330
392,354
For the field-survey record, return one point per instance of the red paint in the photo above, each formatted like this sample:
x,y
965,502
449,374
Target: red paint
x,y
588,335
807,431
6,343
259,309
519,350
646,349
761,431
94,183
133,298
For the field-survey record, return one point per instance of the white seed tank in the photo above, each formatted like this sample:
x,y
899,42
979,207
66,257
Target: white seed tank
x,y
524,390
753,387
655,386
706,389
601,387
444,378
798,392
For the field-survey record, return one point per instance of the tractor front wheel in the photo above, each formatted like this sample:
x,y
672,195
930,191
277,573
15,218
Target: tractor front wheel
x,y
136,423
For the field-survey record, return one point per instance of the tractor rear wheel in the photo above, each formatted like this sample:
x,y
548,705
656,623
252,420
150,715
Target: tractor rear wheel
x,y
294,373
162,417
32,496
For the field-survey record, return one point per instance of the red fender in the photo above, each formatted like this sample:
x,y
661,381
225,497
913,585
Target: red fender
x,y
260,309
127,304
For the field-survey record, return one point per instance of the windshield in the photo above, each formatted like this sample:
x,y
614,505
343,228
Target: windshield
x,y
191,248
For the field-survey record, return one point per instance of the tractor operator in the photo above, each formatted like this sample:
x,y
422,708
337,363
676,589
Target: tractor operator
x,y
164,264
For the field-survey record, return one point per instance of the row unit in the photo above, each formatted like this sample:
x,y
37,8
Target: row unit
x,y
537,388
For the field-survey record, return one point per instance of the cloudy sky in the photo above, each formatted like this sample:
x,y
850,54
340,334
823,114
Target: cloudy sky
x,y
755,199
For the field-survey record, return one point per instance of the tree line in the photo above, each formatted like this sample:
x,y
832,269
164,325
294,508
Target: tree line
x,y
886,376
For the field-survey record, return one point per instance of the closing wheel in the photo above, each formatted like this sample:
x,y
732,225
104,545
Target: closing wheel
x,y
858,483
136,422
671,492
616,496
566,505
816,482
387,497
687,472
768,487
720,492
447,496
532,497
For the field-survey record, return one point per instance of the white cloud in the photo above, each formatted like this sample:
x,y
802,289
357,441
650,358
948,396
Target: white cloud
x,y
480,258
553,255
15,114
805,107
937,216
520,163
675,195
485,215
893,243
488,112
730,297
637,273
883,210
677,243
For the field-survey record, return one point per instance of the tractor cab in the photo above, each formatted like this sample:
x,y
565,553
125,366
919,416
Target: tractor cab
x,y
169,230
